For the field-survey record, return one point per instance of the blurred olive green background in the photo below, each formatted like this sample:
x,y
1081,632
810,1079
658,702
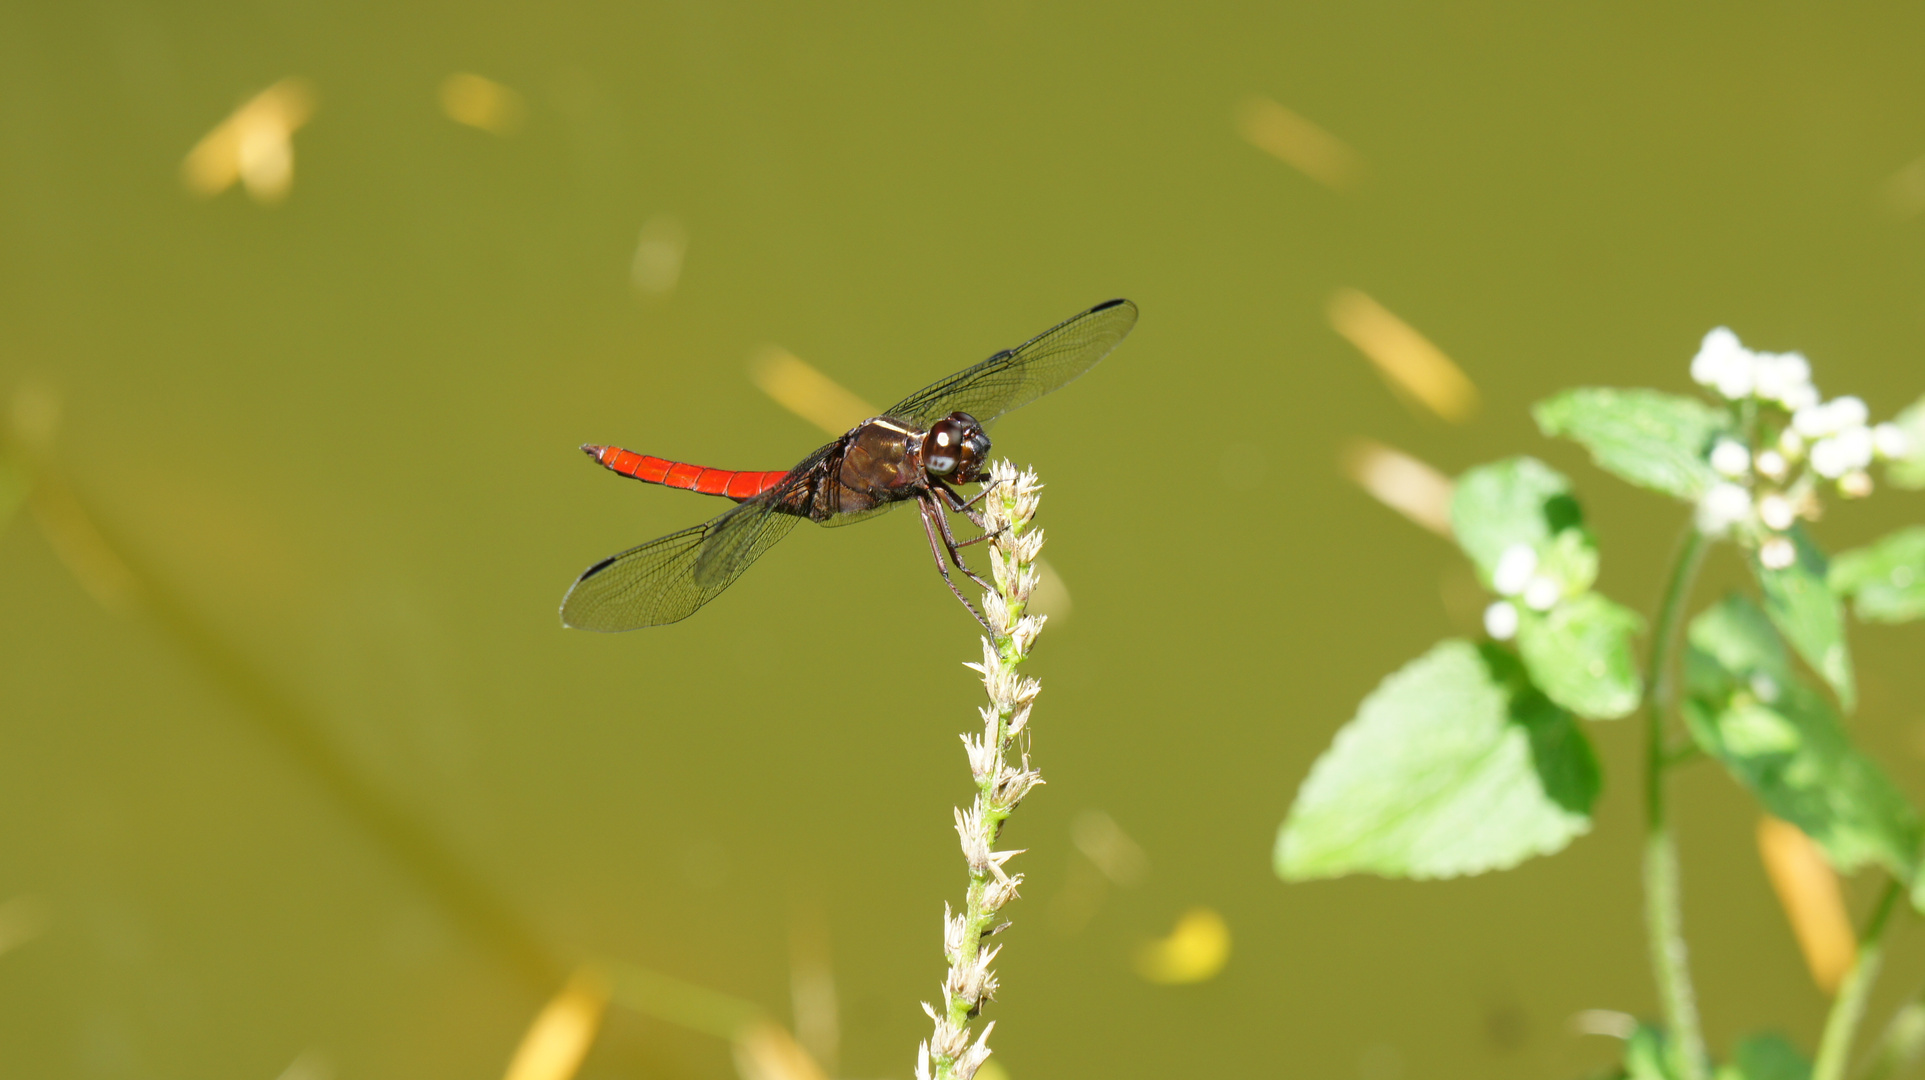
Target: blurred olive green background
x,y
341,431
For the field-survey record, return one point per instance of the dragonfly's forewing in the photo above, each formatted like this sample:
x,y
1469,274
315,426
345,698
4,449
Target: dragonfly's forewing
x,y
1015,377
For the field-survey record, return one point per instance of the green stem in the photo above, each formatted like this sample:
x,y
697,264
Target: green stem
x,y
1663,912
1848,1008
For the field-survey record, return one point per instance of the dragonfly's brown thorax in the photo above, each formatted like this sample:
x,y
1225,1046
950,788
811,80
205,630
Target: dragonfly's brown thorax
x,y
885,460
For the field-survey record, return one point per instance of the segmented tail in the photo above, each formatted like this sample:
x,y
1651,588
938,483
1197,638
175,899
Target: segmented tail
x,y
677,474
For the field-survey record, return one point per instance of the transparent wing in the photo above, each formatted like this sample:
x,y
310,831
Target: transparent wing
x,y
667,579
1015,377
840,520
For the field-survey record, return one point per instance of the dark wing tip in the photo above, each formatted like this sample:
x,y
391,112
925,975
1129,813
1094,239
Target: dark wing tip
x,y
1108,304
569,600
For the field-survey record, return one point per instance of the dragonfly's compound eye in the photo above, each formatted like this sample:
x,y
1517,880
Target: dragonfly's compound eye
x,y
942,448
973,450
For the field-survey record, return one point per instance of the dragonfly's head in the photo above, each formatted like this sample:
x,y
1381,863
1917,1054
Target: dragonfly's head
x,y
956,449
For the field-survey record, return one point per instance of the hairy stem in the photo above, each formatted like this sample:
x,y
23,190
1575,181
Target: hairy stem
x,y
1848,1008
1010,504
1663,910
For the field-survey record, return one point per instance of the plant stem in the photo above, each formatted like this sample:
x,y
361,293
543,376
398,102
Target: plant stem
x,y
1848,1008
1000,786
1663,911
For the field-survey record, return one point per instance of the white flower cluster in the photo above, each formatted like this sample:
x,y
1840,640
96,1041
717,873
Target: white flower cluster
x,y
1771,481
1517,580
1000,785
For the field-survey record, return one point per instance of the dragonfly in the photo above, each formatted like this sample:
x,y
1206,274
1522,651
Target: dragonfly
x,y
915,451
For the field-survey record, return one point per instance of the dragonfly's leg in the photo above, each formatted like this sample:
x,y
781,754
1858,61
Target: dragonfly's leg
x,y
930,510
980,495
957,504
949,541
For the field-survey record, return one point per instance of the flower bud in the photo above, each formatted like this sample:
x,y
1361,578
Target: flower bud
x,y
1731,458
1777,553
1777,512
1542,594
1500,620
1722,507
1514,569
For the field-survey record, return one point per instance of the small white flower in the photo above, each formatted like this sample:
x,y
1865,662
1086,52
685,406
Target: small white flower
x,y
1777,553
1542,594
1771,465
1811,421
1891,442
1730,458
1844,452
1784,378
1500,620
1859,445
1799,397
1777,512
1855,484
1724,363
1722,507
1791,443
1830,418
1514,569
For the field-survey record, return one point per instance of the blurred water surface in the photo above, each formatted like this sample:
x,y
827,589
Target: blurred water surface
x,y
331,794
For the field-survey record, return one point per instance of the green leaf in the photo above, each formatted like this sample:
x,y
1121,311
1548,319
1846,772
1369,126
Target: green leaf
x,y
1453,765
1886,581
1582,653
1647,1054
1909,471
1521,500
1652,439
1765,1057
1781,739
1810,616
1580,650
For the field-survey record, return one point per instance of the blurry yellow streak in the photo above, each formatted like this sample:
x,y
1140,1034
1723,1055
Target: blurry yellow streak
x,y
807,392
812,986
22,919
1298,143
657,265
1195,951
991,1070
254,145
92,560
1051,596
1905,191
482,103
1808,889
763,1051
1104,843
34,415
685,1004
309,1066
1401,482
1608,1022
563,1031
1406,359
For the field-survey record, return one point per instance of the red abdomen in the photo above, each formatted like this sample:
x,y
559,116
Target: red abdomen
x,y
677,474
